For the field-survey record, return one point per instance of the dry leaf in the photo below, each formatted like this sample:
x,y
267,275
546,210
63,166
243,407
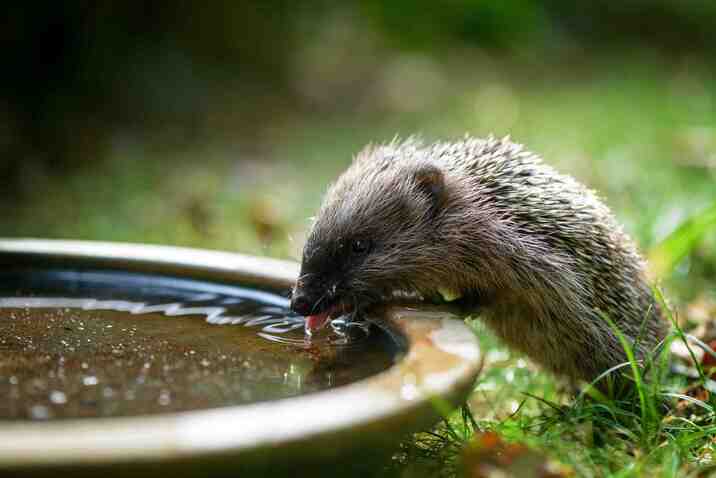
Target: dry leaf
x,y
488,456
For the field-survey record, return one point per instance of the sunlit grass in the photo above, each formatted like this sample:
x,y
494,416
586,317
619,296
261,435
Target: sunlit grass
x,y
679,244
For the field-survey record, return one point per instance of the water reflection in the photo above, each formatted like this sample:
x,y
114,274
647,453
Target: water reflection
x,y
84,344
272,321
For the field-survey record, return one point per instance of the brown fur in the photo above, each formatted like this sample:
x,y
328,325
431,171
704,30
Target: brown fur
x,y
535,253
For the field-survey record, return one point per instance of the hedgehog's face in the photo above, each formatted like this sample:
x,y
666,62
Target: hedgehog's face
x,y
370,240
329,272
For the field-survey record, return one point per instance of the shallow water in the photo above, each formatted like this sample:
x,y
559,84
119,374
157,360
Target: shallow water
x,y
91,344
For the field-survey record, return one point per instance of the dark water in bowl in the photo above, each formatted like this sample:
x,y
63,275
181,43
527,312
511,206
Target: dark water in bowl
x,y
90,344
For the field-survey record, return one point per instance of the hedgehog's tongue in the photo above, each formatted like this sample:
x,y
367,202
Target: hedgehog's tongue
x,y
316,322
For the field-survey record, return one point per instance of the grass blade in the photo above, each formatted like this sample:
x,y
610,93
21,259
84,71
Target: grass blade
x,y
664,257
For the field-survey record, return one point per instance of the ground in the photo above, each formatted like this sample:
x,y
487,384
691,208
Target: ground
x,y
640,130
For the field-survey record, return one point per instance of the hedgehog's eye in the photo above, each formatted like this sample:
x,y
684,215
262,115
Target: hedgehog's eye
x,y
360,246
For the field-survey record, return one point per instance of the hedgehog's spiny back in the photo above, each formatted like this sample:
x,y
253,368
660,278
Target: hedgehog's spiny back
x,y
517,228
552,213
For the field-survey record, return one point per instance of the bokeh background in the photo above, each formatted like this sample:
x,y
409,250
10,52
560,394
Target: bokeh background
x,y
220,124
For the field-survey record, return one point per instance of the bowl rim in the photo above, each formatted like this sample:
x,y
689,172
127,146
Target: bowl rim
x,y
437,372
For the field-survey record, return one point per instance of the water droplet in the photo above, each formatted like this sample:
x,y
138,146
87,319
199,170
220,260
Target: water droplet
x,y
409,391
58,397
164,398
39,412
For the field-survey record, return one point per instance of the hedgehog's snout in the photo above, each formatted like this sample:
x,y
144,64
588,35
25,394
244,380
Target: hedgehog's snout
x,y
301,300
309,297
301,304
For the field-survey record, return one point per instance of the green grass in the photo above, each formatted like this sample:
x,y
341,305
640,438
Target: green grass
x,y
640,130
642,433
679,244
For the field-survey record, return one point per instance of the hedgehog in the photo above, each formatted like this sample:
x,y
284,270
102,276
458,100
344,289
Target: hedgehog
x,y
486,225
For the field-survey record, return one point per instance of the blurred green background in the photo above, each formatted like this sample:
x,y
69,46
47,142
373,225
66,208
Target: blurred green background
x,y
220,125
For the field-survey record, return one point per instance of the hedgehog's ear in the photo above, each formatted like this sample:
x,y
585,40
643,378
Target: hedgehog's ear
x,y
429,179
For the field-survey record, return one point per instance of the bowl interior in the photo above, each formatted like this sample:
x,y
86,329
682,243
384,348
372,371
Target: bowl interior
x,y
433,357
103,343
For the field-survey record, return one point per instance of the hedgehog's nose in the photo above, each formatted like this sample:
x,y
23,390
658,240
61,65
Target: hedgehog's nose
x,y
301,305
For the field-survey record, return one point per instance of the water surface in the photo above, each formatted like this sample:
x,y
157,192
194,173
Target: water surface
x,y
99,343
